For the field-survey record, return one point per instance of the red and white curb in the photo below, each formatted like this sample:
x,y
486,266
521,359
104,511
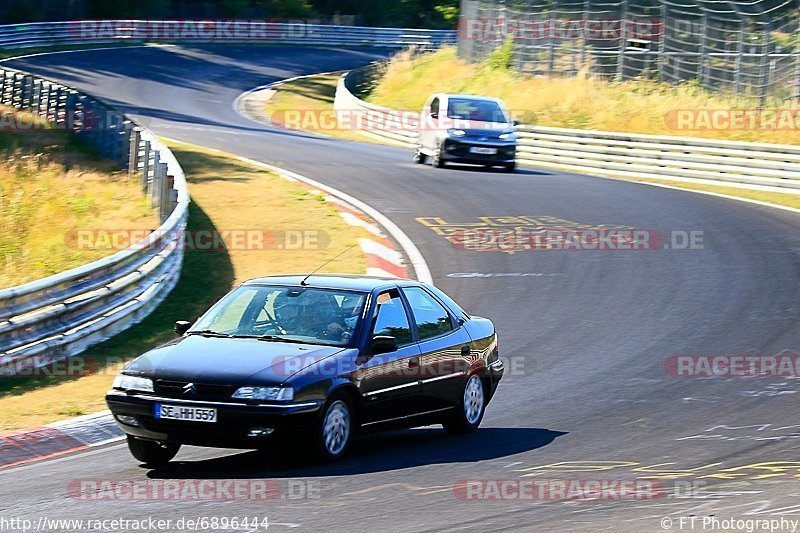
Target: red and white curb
x,y
59,438
379,253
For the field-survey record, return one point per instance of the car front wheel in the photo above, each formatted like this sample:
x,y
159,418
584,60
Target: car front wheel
x,y
468,414
152,453
335,431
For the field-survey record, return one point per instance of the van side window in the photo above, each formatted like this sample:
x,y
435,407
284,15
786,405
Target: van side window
x,y
435,106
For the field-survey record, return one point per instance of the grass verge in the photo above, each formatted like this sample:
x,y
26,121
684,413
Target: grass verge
x,y
308,102
226,194
52,185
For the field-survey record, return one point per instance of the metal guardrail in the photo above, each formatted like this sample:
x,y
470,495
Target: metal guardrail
x,y
52,318
21,36
743,164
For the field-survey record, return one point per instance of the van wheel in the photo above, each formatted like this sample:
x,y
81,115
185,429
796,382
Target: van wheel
x,y
419,158
510,167
437,160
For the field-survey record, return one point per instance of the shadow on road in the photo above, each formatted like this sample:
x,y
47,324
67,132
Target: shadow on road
x,y
378,453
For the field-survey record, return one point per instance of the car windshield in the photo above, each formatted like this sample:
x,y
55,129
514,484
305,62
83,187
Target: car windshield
x,y
292,314
475,109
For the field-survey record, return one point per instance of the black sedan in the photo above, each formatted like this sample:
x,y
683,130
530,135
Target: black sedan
x,y
309,361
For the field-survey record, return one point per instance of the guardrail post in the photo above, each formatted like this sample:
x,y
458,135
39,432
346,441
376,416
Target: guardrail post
x,y
70,110
6,91
151,184
145,178
133,151
164,202
159,176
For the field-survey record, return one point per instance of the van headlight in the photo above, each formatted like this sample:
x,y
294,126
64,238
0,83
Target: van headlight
x,y
126,382
456,132
265,393
505,136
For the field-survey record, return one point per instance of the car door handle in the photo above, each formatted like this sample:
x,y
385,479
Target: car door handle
x,y
465,351
413,362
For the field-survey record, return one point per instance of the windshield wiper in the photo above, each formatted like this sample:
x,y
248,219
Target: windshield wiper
x,y
278,338
209,333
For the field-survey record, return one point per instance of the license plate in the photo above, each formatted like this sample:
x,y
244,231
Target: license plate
x,y
192,414
483,150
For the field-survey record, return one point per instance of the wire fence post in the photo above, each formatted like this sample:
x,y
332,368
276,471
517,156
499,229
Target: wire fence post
x,y
623,41
738,74
703,59
584,33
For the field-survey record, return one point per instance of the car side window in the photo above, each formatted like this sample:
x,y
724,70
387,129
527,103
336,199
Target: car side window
x,y
392,319
431,317
434,106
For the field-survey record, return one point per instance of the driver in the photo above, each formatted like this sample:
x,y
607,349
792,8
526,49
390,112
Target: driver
x,y
311,314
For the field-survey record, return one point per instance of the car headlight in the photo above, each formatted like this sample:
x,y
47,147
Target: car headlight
x,y
505,136
456,133
264,393
123,381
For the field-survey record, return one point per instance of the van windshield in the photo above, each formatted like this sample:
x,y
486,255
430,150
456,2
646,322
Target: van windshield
x,y
475,109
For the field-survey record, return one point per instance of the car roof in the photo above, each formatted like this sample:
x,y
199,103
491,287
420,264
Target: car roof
x,y
334,281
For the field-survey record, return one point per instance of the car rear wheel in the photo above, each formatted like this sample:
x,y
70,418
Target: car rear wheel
x,y
468,414
152,453
335,431
510,167
419,158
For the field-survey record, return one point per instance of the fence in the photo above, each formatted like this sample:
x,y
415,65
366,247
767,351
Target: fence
x,y
51,318
739,164
751,48
21,36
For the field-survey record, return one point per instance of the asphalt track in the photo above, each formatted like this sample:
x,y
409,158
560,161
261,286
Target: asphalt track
x,y
587,333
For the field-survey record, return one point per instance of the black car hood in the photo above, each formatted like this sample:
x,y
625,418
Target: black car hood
x,y
228,361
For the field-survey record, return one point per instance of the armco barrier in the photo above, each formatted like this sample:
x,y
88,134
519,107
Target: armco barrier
x,y
21,36
740,164
52,318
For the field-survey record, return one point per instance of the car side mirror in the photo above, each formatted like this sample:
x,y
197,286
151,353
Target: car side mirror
x,y
182,326
434,115
383,344
515,122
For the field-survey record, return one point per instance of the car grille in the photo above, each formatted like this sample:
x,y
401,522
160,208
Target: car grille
x,y
202,391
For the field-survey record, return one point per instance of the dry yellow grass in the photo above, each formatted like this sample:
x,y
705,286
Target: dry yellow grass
x,y
50,187
309,103
227,194
637,106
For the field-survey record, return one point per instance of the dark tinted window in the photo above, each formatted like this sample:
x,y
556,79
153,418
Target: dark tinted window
x,y
432,319
435,106
477,110
392,319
